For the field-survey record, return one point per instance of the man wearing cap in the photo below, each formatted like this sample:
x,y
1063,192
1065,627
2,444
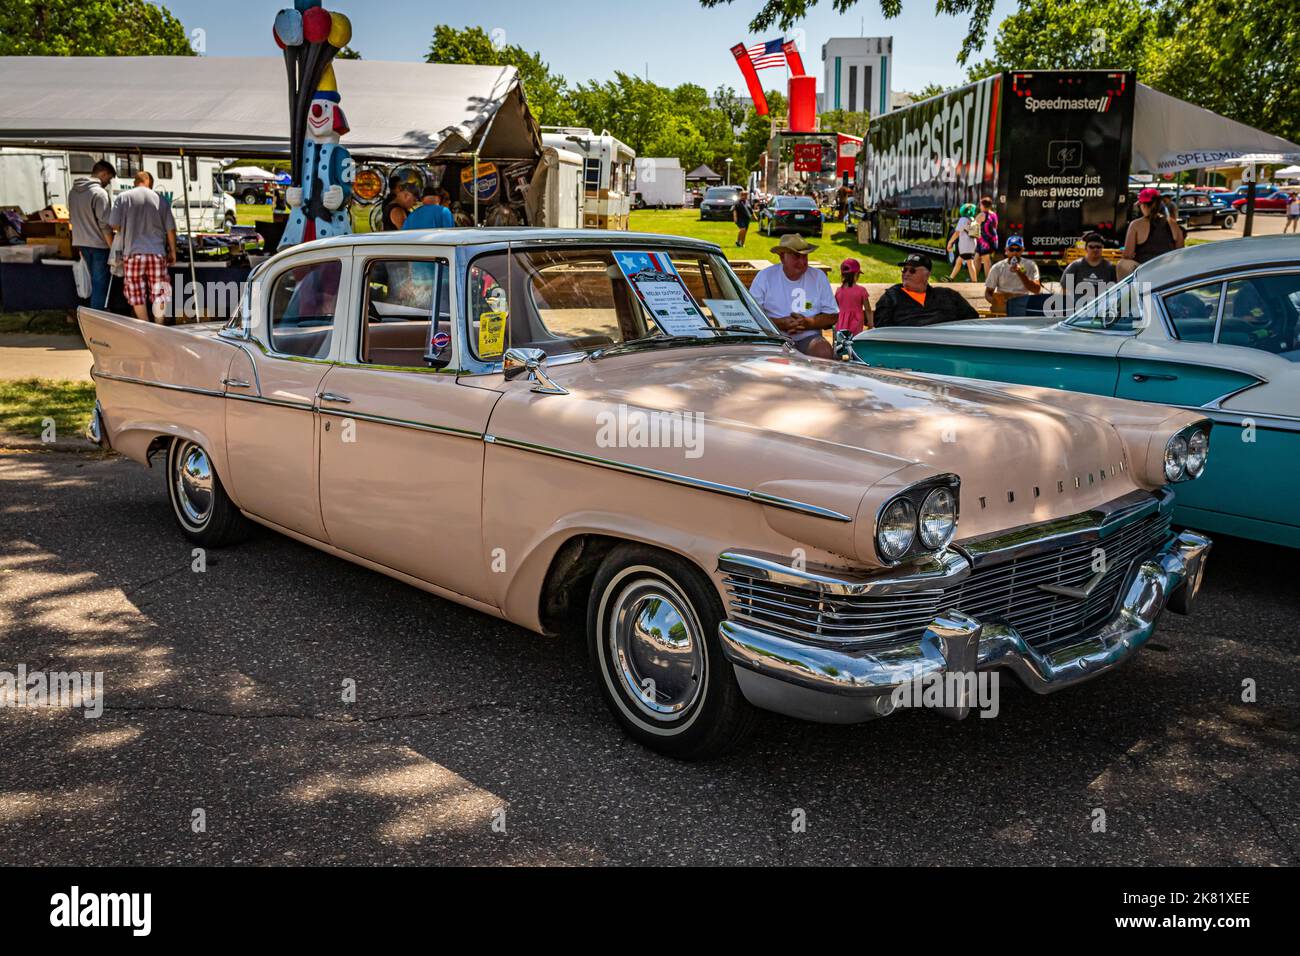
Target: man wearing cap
x,y
915,302
1085,279
1011,277
798,300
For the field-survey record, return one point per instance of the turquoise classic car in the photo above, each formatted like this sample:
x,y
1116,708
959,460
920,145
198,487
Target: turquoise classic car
x,y
1215,328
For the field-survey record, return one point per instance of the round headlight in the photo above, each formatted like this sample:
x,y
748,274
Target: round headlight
x,y
938,519
1175,458
897,529
1198,450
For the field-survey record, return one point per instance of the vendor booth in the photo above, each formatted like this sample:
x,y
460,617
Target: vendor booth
x,y
466,129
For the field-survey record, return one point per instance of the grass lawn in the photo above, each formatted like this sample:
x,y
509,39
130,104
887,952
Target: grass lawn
x,y
879,263
249,215
26,403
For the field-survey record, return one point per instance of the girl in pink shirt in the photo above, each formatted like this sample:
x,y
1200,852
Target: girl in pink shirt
x,y
855,305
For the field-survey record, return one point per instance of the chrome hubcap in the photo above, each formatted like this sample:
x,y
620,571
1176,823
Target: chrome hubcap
x,y
193,480
657,650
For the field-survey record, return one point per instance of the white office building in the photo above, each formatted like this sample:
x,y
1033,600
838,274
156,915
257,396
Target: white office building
x,y
856,74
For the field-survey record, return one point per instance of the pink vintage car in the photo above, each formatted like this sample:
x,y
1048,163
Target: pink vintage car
x,y
584,429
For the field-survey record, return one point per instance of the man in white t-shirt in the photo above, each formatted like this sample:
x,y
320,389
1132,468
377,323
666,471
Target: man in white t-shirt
x,y
1292,213
798,300
1011,277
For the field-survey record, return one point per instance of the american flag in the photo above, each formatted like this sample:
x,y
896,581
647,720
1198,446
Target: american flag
x,y
768,55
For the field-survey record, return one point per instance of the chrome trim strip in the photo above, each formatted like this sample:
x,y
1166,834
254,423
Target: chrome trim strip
x,y
259,400
193,389
403,423
934,573
731,491
1233,418
1100,522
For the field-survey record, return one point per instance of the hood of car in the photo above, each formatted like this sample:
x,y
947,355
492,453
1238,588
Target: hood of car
x,y
764,418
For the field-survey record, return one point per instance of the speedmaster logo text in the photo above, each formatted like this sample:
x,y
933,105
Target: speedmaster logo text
x,y
1096,105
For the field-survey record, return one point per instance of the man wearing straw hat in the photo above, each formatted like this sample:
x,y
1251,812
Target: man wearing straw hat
x,y
798,300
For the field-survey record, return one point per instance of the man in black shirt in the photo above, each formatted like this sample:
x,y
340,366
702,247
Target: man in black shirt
x,y
915,302
1085,279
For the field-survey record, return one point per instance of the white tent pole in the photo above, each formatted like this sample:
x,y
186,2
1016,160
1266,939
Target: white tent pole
x,y
189,238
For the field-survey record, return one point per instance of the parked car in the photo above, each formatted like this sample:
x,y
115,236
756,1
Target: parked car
x,y
250,192
1196,211
791,214
719,202
1269,199
1230,196
497,417
1219,335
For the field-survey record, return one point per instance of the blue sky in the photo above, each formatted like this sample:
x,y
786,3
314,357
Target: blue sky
x,y
680,40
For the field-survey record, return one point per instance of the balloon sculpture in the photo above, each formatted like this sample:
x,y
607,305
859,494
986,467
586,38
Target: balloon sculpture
x,y
322,169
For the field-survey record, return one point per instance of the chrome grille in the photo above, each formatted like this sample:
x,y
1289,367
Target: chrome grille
x,y
1008,592
836,619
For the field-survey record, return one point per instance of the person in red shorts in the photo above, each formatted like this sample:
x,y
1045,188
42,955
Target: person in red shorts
x,y
148,230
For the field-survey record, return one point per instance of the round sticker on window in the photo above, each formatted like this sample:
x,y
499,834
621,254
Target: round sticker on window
x,y
441,340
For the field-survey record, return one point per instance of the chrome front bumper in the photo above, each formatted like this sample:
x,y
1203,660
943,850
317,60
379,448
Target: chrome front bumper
x,y
831,685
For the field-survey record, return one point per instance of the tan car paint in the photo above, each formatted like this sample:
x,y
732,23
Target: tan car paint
x,y
828,435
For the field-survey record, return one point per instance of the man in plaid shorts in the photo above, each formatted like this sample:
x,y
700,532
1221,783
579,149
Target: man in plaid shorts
x,y
144,220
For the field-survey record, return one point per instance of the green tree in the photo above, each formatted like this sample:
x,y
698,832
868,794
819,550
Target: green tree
x,y
842,121
347,53
1066,35
726,100
90,28
547,92
785,13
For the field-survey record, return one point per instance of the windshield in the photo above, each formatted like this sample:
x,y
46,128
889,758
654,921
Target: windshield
x,y
582,300
1119,309
721,192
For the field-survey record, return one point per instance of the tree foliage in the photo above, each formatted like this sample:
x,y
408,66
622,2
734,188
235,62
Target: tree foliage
x,y
546,91
90,28
1238,58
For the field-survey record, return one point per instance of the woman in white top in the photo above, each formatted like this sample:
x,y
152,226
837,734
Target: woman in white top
x,y
964,237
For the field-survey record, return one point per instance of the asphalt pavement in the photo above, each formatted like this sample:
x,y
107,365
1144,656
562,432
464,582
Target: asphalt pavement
x,y
225,736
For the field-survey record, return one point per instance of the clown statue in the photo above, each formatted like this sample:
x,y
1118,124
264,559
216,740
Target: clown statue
x,y
320,204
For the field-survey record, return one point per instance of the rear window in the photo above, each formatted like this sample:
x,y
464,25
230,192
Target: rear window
x,y
796,202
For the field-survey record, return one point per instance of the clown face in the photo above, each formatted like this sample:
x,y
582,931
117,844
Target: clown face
x,y
325,121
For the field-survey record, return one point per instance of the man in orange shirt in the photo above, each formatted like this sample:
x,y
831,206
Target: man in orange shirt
x,y
915,302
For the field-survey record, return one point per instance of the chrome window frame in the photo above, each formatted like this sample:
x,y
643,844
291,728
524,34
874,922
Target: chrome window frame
x,y
1223,278
342,304
351,358
1125,333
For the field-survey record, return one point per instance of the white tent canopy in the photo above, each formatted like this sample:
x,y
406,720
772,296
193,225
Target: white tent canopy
x,y
1171,135
1290,172
250,172
239,106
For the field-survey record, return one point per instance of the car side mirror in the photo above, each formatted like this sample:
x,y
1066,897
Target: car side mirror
x,y
532,364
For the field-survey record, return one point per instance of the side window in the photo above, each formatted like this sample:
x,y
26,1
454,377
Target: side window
x,y
1261,313
164,169
1194,312
407,314
303,304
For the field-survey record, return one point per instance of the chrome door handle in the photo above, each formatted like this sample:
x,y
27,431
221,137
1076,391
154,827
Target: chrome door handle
x,y
335,397
1154,377
236,383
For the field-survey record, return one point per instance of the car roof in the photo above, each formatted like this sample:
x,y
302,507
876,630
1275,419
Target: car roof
x,y
491,235
1209,257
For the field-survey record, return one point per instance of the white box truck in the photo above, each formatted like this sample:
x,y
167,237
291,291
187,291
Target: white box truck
x,y
660,183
